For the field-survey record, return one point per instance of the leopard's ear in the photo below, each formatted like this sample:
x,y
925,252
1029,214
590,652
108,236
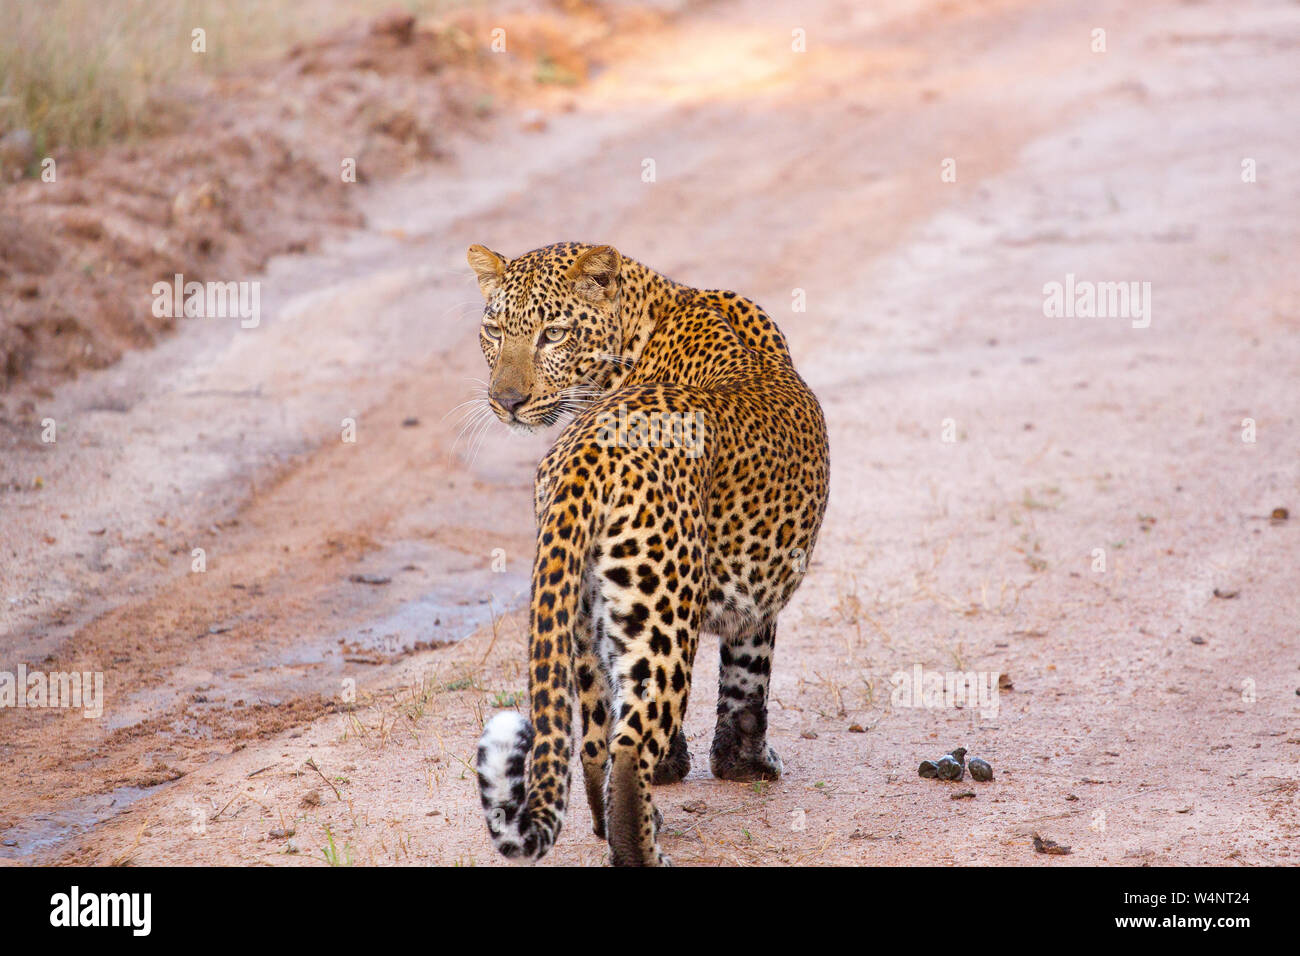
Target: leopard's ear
x,y
595,273
488,266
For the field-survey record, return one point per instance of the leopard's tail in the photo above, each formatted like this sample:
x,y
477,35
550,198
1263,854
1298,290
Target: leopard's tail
x,y
523,800
502,766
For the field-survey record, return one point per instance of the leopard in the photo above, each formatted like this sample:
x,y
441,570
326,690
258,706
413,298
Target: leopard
x,y
684,495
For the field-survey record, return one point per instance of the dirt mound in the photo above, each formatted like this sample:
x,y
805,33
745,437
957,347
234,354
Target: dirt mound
x,y
256,165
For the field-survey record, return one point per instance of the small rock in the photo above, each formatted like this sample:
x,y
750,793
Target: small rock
x,y
11,842
964,795
1225,595
279,834
695,806
958,754
375,579
410,422
930,771
808,735
312,799
857,729
980,769
1279,515
1197,639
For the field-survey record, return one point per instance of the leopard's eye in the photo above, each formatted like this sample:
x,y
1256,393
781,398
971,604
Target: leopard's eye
x,y
555,334
492,331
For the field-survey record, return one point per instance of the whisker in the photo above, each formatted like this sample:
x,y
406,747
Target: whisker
x,y
471,414
478,441
472,401
458,305
472,424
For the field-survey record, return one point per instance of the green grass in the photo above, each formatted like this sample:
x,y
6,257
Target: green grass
x,y
470,682
509,698
333,856
550,72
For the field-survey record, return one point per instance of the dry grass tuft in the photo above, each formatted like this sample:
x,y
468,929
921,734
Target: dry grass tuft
x,y
77,73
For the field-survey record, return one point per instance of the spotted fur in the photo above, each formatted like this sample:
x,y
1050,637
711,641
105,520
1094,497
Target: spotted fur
x,y
644,539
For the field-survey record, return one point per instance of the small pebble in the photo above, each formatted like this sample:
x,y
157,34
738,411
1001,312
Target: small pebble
x,y
929,770
958,754
950,769
980,769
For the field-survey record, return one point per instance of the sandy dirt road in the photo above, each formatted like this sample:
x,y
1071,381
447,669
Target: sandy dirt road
x,y
1071,503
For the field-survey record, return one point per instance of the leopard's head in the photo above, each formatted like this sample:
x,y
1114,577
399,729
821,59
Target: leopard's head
x,y
551,332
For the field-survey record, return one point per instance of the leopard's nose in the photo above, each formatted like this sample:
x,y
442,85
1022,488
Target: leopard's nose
x,y
509,399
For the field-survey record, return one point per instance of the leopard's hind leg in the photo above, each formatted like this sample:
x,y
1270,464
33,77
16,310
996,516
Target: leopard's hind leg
x,y
674,765
740,750
594,704
651,574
